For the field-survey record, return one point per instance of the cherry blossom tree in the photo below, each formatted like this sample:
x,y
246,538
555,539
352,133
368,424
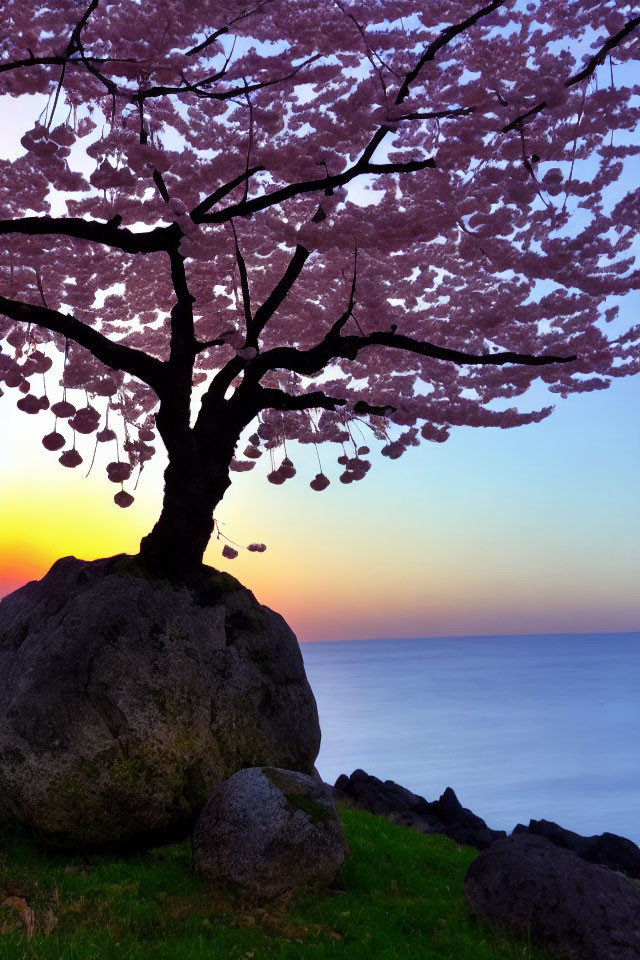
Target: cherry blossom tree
x,y
323,221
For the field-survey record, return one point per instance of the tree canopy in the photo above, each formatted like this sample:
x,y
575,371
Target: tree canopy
x,y
319,218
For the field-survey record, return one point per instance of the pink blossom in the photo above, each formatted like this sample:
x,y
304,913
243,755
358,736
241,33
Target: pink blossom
x,y
319,482
70,458
309,234
53,441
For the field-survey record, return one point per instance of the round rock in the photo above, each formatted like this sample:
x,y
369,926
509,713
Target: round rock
x,y
124,700
575,909
266,831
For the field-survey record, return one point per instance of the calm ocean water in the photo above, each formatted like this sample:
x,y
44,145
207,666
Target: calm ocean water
x,y
520,727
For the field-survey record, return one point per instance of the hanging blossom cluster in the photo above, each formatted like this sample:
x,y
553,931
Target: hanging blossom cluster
x,y
83,407
325,222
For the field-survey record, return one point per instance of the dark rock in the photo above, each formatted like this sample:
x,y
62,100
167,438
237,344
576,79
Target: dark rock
x,y
388,799
576,909
449,809
461,824
423,824
124,700
608,849
266,832
382,798
478,837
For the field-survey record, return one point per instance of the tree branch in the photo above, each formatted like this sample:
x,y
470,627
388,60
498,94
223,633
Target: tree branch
x,y
201,345
56,60
158,179
335,330
244,283
361,406
199,47
264,312
281,400
309,362
587,71
247,207
218,33
109,234
79,27
186,86
598,58
441,41
217,195
225,377
115,355
73,45
437,114
197,85
183,340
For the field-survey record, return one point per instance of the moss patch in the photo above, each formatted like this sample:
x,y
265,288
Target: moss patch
x,y
222,582
249,621
125,793
317,812
296,800
127,565
208,586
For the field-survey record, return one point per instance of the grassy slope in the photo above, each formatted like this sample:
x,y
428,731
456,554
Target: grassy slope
x,y
399,897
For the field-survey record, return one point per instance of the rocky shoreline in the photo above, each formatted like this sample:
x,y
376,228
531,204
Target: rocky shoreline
x,y
578,897
447,815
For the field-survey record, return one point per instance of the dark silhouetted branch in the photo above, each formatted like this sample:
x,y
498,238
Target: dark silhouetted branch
x,y
281,400
309,362
217,195
584,74
183,341
114,355
201,345
158,179
109,234
335,330
264,312
244,282
441,41
325,184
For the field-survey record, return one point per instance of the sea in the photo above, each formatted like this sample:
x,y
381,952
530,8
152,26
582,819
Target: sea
x,y
521,727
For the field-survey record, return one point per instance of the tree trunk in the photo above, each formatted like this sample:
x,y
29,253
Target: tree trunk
x,y
194,486
195,480
176,545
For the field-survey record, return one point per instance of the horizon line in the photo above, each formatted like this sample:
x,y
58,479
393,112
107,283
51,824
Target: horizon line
x,y
480,636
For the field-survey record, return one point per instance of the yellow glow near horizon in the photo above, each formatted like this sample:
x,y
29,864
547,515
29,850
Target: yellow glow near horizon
x,y
460,539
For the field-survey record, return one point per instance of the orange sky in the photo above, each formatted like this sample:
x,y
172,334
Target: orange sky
x,y
510,531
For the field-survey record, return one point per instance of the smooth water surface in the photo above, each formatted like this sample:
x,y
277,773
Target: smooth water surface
x,y
520,727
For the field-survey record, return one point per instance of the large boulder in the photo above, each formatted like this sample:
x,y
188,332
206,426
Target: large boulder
x,y
608,849
576,910
266,832
124,700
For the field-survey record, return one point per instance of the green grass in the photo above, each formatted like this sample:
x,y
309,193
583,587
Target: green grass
x,y
399,897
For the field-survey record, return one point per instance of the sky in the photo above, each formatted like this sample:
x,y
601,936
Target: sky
x,y
527,530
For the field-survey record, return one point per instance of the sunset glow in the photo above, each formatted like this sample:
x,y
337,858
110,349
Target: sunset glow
x,y
522,531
